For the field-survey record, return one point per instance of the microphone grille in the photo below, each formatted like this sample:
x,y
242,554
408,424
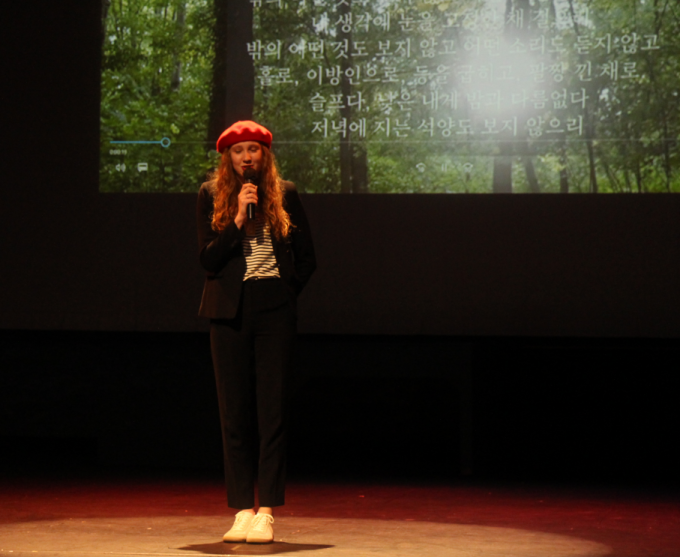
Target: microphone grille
x,y
249,174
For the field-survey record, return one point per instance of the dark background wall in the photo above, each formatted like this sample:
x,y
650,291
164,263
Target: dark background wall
x,y
98,291
375,407
577,265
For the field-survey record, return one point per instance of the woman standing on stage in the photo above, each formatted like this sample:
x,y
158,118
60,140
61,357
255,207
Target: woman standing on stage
x,y
256,267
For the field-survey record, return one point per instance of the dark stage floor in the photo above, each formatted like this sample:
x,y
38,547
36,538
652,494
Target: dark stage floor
x,y
100,515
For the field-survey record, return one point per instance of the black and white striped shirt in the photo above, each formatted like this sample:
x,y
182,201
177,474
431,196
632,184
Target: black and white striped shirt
x,y
260,259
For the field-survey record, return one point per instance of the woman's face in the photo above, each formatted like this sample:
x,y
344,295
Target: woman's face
x,y
246,154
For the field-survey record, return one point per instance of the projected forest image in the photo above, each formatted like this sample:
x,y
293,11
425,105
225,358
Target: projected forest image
x,y
397,96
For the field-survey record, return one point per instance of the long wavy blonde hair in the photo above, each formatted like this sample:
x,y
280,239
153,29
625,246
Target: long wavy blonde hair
x,y
227,185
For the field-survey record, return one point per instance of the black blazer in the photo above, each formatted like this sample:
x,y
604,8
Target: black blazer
x,y
221,255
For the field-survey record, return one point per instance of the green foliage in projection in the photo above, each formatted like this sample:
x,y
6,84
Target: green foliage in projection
x,y
600,112
156,70
295,106
636,117
577,96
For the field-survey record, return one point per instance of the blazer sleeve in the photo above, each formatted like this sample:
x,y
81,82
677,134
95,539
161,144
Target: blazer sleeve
x,y
214,248
304,258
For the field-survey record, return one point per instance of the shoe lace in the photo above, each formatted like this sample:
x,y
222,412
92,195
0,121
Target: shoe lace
x,y
241,517
261,522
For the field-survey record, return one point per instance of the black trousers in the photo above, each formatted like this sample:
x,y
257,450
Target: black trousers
x,y
252,359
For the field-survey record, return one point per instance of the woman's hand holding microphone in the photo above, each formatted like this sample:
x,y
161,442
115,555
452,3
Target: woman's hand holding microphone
x,y
247,195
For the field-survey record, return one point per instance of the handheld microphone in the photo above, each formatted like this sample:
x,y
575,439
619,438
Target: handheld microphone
x,y
249,175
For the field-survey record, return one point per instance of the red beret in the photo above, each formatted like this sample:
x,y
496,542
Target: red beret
x,y
245,130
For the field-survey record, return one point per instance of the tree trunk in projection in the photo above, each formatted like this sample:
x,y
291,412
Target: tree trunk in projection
x,y
180,27
105,15
353,155
346,147
667,155
360,168
502,169
233,80
638,177
592,171
502,162
529,168
589,126
564,176
532,179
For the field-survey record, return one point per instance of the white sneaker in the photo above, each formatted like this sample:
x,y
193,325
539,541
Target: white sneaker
x,y
261,530
239,531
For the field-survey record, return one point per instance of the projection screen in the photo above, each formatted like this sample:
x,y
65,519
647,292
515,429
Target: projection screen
x,y
397,96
